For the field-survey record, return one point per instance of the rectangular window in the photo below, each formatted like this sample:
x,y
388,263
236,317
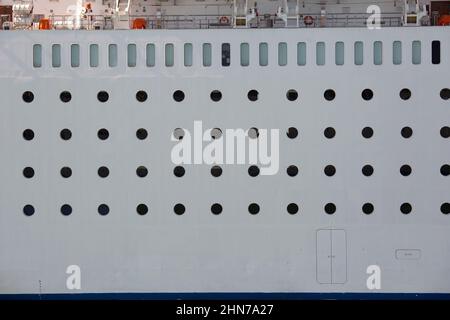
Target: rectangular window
x,y
359,53
436,52
132,55
226,54
282,54
37,56
320,53
339,53
207,55
245,54
93,55
397,52
416,52
56,55
169,54
75,55
150,55
377,53
301,53
263,54
112,55
188,54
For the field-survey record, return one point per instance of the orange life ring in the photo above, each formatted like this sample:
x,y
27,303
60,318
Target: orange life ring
x,y
308,20
224,20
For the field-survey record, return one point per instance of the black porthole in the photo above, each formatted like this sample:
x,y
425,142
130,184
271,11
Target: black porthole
x,y
103,209
405,208
367,132
142,209
28,210
367,208
445,208
178,133
292,95
102,96
103,134
216,208
253,171
406,132
178,171
330,208
216,133
445,132
28,96
103,172
292,171
216,171
66,210
65,134
405,170
141,171
66,172
367,170
65,96
216,95
141,96
28,134
405,94
329,133
292,208
445,94
178,96
292,133
141,134
252,95
28,172
367,94
445,170
179,209
329,170
253,208
253,133
329,94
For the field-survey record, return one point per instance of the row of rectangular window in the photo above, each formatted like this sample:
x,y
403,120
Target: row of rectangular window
x,y
207,54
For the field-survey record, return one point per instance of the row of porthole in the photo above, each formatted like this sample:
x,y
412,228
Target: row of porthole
x,y
253,208
216,95
253,171
292,133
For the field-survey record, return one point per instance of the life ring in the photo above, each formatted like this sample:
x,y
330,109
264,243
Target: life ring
x,y
308,20
224,20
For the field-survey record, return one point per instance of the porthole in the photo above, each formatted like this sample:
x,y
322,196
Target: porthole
x,y
292,208
253,133
252,95
28,134
367,94
445,94
178,171
445,170
329,94
406,132
102,96
103,209
329,133
445,132
405,94
28,96
216,208
445,208
103,172
216,95
330,208
66,172
103,134
142,209
179,209
367,132
28,210
253,171
292,171
405,170
216,171
141,96
405,208
65,134
65,96
28,172
141,134
141,171
178,96
292,133
292,95
329,170
253,208
367,208
367,170
216,133
66,210
178,133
